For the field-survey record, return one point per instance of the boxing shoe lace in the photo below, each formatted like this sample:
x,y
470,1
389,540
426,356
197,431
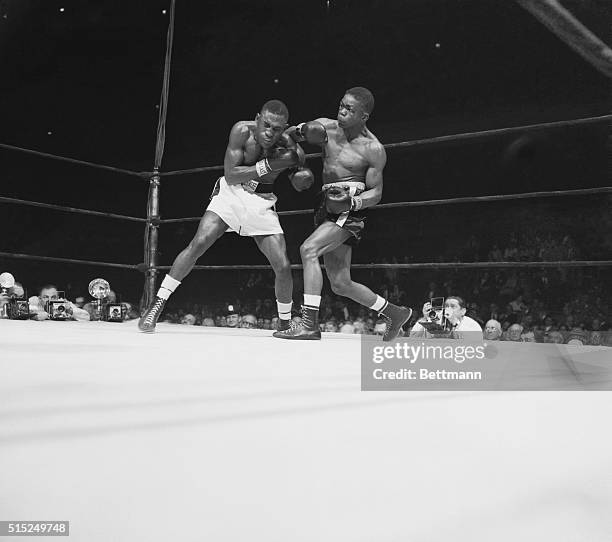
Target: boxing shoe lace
x,y
307,321
154,311
388,323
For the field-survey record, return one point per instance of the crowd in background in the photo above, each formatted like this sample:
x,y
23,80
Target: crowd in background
x,y
551,304
525,304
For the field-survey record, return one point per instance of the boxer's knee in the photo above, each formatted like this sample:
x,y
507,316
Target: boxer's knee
x,y
199,244
282,268
309,251
341,285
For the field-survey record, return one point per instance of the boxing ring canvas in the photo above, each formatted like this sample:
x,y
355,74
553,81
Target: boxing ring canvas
x,y
216,434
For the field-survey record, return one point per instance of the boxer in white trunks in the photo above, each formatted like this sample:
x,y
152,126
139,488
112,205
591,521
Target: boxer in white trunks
x,y
243,202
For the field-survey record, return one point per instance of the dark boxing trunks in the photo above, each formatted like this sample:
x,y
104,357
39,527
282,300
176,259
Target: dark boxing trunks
x,y
352,221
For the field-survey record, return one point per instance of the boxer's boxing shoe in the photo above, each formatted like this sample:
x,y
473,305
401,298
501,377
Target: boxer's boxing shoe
x,y
283,325
395,317
148,320
308,330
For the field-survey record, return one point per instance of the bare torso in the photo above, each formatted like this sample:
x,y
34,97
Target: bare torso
x,y
344,159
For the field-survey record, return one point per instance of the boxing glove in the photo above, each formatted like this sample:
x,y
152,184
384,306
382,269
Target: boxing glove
x,y
338,201
313,132
302,179
279,160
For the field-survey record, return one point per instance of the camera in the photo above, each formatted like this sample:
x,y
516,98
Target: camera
x,y
435,321
59,309
18,309
15,309
113,312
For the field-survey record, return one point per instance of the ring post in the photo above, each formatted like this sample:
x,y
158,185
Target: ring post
x,y
151,236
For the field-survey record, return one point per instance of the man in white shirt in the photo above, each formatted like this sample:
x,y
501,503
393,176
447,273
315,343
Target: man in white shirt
x,y
459,325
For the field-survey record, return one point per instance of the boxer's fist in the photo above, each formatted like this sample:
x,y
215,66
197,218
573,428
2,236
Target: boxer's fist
x,y
313,132
337,200
302,179
282,159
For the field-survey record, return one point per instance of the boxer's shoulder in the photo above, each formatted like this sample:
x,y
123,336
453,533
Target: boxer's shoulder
x,y
242,130
373,149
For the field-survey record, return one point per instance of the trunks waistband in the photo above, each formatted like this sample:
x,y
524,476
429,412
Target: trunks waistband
x,y
359,186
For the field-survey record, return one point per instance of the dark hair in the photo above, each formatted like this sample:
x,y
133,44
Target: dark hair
x,y
363,96
460,300
47,287
276,107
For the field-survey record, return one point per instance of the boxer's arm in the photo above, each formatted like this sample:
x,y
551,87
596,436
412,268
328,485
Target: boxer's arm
x,y
234,171
314,131
287,141
374,177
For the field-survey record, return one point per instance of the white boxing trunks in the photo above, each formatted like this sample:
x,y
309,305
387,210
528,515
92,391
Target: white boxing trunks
x,y
245,212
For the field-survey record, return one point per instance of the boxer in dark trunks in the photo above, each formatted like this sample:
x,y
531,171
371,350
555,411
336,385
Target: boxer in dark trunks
x,y
353,163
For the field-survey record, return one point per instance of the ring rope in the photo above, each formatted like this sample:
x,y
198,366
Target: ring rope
x,y
74,161
437,140
412,143
416,265
66,260
70,209
423,265
423,203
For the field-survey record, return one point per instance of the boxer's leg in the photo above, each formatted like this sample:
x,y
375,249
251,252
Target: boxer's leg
x,y
275,250
338,269
211,227
325,238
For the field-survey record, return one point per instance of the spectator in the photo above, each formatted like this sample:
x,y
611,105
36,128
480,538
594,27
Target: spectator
x,y
554,337
514,333
248,321
493,330
347,327
208,322
188,320
577,337
528,337
331,326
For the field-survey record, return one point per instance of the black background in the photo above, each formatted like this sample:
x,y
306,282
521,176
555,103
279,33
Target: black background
x,y
91,76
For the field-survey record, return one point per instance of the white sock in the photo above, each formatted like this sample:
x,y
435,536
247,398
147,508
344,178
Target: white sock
x,y
167,287
313,301
379,304
284,310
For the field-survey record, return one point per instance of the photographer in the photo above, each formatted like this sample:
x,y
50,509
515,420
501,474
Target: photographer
x,y
454,324
40,306
12,304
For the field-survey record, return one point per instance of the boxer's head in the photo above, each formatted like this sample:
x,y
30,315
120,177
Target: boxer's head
x,y
355,107
271,122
